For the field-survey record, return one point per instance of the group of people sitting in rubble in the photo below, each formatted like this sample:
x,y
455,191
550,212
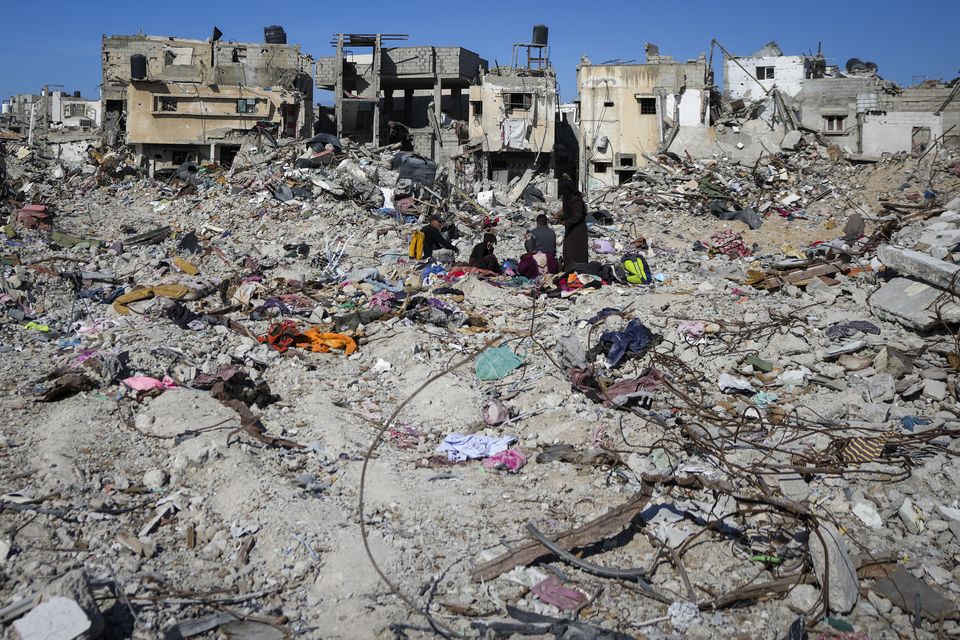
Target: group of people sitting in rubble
x,y
540,242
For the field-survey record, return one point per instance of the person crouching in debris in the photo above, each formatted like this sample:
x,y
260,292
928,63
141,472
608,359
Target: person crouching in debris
x,y
541,239
482,256
435,245
574,218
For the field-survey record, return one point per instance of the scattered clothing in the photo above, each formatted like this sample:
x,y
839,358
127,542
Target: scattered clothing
x,y
170,291
459,447
730,244
323,342
511,460
146,383
553,592
849,328
634,339
494,364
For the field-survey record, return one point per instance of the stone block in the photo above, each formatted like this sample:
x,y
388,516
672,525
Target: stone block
x,y
912,304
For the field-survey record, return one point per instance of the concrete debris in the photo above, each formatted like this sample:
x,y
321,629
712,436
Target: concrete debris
x,y
724,397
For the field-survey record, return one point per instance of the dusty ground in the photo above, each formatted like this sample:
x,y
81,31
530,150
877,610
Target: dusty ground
x,y
96,465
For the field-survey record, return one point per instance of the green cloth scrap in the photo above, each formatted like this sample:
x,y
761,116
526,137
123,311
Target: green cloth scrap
x,y
493,364
759,365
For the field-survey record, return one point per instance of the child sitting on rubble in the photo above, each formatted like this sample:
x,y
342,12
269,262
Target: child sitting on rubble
x,y
482,256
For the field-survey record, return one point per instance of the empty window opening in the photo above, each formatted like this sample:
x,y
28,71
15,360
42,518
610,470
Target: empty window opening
x,y
246,105
601,167
626,160
648,106
240,55
165,103
608,103
764,73
476,107
518,101
834,124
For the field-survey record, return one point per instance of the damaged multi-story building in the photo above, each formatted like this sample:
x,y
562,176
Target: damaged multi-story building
x,y
853,107
629,111
176,100
513,116
414,95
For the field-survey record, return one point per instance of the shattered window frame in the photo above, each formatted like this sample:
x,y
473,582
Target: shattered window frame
x,y
239,55
246,105
166,104
511,101
765,72
602,166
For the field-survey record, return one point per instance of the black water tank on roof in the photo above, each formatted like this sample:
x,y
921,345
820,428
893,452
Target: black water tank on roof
x,y
76,94
540,33
138,67
274,34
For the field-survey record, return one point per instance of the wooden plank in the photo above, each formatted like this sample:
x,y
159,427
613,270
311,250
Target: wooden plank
x,y
606,526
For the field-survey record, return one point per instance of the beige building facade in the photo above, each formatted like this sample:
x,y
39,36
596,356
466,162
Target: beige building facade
x,y
629,110
178,100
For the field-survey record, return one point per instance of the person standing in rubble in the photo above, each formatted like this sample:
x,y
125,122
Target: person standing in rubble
x,y
574,219
482,256
435,245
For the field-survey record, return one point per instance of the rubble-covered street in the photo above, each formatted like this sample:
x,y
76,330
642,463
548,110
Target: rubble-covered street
x,y
171,471
469,362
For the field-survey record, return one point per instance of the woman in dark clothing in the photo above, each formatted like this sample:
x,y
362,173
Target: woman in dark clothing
x,y
574,218
482,255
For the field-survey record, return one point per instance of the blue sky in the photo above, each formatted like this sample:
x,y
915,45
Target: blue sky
x,y
58,42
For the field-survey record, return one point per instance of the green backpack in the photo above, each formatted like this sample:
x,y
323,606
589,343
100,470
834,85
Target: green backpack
x,y
637,269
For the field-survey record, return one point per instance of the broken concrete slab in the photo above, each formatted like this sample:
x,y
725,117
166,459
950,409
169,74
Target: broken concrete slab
x,y
56,619
791,140
919,265
912,304
831,559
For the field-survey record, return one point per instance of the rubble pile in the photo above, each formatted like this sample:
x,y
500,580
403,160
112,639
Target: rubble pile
x,y
235,403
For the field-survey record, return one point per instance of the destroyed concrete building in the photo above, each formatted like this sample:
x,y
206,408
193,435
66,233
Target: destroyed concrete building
x,y
752,77
72,111
513,114
176,100
413,95
628,111
15,112
51,109
854,108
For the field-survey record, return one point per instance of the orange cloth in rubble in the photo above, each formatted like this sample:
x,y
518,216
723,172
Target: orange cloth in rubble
x,y
317,340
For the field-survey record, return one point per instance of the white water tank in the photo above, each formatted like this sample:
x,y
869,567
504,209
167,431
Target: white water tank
x,y
867,102
5,109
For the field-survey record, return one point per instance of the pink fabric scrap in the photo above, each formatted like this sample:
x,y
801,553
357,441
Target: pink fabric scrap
x,y
731,244
553,592
512,460
691,329
146,383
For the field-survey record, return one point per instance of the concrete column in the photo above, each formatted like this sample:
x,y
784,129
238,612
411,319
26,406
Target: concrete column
x,y
455,100
407,105
388,103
